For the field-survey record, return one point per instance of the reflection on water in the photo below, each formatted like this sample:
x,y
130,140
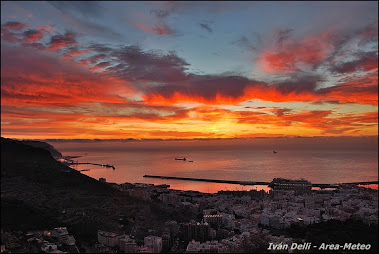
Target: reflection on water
x,y
317,166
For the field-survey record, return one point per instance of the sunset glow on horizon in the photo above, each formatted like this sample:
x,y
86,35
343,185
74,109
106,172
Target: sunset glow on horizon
x,y
187,70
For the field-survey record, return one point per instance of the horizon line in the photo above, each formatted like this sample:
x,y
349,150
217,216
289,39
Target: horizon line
x,y
185,139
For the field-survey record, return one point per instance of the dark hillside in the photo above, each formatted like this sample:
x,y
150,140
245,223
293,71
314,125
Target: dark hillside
x,y
39,192
54,152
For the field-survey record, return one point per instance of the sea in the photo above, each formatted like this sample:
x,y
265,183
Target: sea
x,y
134,159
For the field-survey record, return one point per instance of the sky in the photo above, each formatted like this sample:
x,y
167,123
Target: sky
x,y
188,70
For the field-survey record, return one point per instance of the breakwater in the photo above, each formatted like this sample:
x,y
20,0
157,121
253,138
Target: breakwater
x,y
320,185
208,180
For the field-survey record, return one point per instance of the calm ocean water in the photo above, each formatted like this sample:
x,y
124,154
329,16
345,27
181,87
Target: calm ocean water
x,y
132,160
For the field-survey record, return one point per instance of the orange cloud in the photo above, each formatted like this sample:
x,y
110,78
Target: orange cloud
x,y
362,90
231,91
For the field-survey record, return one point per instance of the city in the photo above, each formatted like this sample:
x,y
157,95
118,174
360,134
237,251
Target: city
x,y
225,222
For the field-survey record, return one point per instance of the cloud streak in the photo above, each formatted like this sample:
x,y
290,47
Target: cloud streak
x,y
206,27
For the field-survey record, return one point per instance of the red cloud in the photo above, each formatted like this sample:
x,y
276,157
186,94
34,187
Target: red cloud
x,y
72,52
31,78
363,90
10,36
61,41
160,29
32,36
15,25
292,55
366,61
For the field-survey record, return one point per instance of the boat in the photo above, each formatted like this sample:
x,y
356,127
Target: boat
x,y
181,159
190,161
274,152
84,170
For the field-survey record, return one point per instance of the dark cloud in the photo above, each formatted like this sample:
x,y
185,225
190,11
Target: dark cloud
x,y
368,34
206,27
340,40
36,45
14,25
135,64
282,111
100,66
213,89
74,51
160,13
100,48
247,44
204,87
366,61
94,59
363,90
298,84
282,35
61,41
32,35
10,36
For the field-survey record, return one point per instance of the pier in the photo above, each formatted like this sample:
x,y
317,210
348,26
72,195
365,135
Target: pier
x,y
320,185
95,164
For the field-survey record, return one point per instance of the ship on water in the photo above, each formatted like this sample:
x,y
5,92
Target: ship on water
x,y
181,159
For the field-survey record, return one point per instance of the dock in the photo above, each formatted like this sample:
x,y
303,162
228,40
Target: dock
x,y
320,185
95,164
